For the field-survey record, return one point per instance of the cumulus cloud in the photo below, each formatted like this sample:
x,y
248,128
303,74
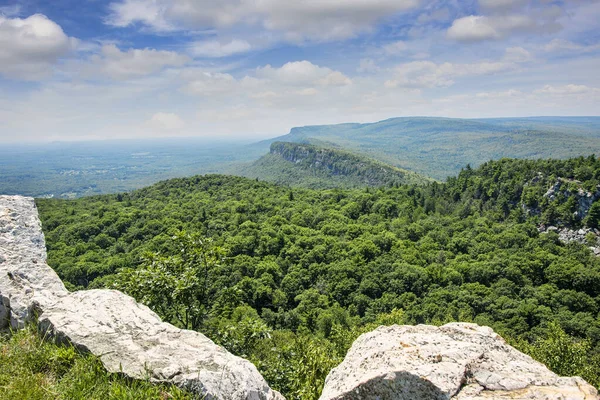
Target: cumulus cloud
x,y
166,122
297,20
472,29
133,63
303,73
208,83
477,28
30,47
216,49
428,74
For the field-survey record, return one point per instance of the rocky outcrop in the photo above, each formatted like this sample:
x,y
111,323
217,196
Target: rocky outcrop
x,y
128,337
26,281
455,361
581,236
572,188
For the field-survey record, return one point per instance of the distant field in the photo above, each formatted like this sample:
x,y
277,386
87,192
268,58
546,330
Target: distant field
x,y
69,170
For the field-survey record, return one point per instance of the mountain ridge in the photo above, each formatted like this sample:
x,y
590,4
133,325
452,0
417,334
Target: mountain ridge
x,y
439,147
308,165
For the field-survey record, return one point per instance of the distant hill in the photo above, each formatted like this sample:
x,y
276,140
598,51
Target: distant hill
x,y
305,165
440,147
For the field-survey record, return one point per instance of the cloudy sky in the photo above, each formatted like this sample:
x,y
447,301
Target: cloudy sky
x,y
95,69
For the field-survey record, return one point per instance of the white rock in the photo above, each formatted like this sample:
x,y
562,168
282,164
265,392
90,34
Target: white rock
x,y
458,361
130,338
25,278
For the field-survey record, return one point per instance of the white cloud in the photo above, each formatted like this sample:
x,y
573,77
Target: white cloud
x,y
472,29
308,92
563,46
427,74
30,47
216,49
511,93
133,63
166,121
517,55
328,19
148,12
367,65
208,83
496,5
297,20
303,73
395,48
567,89
476,28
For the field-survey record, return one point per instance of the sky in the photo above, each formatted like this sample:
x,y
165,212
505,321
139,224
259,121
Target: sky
x,y
239,69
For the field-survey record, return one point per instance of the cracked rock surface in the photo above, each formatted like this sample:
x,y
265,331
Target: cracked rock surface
x,y
455,361
127,337
130,338
26,281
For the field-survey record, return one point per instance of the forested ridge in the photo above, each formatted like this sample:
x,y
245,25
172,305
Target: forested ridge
x,y
318,167
289,277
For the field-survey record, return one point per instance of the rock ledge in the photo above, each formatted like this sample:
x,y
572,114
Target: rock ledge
x,y
454,361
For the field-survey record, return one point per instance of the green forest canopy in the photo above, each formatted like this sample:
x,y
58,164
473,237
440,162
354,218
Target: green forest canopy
x,y
288,278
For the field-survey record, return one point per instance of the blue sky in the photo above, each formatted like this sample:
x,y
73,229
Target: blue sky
x,y
97,69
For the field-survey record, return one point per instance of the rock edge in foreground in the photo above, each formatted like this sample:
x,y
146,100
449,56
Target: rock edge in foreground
x,y
455,361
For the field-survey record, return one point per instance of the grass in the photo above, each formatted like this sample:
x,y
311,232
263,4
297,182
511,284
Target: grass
x,y
32,369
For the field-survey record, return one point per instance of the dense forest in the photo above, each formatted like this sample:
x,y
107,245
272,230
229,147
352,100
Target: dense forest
x,y
318,167
289,277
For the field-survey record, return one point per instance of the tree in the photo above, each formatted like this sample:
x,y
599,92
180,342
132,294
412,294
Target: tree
x,y
176,286
593,218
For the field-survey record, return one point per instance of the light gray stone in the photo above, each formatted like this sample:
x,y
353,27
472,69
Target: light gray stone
x,y
455,361
26,281
130,338
127,337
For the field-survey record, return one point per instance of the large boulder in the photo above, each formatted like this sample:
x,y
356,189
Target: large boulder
x,y
130,338
454,361
25,279
127,337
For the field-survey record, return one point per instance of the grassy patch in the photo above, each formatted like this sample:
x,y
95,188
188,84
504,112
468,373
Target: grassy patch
x,y
33,369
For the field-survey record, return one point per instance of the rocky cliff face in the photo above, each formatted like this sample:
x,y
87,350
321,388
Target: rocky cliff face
x,y
455,361
570,188
128,337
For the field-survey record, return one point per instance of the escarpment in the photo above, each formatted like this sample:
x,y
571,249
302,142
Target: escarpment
x,y
127,337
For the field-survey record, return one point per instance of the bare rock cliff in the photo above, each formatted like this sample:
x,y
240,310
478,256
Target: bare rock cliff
x,y
128,337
